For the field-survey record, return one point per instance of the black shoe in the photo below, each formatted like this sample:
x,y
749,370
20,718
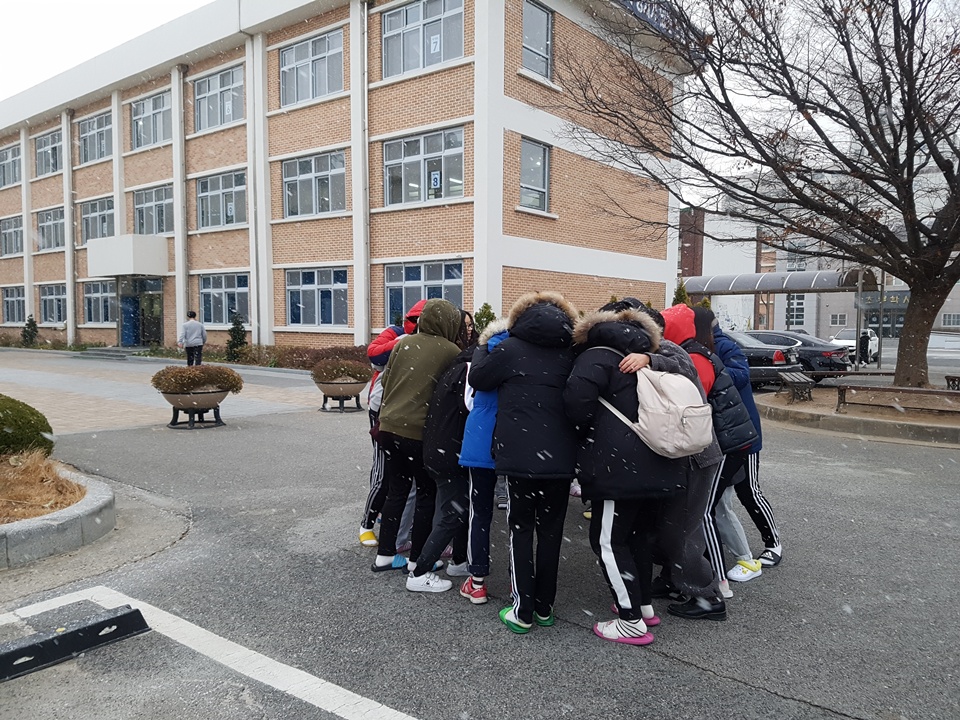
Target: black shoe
x,y
700,608
661,588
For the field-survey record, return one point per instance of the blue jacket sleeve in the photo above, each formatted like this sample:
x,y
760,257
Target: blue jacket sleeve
x,y
733,358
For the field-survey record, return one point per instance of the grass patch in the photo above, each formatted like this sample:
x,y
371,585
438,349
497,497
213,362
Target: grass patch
x,y
30,486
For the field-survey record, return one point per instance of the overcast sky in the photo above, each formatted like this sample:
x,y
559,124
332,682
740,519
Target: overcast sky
x,y
42,38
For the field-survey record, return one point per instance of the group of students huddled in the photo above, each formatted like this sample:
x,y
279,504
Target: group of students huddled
x,y
532,399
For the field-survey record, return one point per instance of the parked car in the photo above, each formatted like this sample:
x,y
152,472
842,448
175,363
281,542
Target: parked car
x,y
814,354
849,338
766,361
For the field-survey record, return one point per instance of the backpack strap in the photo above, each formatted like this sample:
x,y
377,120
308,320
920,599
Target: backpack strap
x,y
692,346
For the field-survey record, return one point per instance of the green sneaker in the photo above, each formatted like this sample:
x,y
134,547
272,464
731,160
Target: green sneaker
x,y
513,622
548,621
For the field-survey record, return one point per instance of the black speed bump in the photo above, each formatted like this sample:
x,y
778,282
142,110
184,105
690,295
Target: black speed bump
x,y
43,649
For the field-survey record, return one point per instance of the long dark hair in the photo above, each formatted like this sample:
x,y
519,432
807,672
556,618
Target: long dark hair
x,y
467,336
703,324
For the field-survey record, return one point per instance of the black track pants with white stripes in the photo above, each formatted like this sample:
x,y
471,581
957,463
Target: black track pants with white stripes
x,y
378,486
755,502
621,534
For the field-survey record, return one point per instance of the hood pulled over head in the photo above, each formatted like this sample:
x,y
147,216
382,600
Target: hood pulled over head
x,y
412,316
679,324
543,318
440,318
628,331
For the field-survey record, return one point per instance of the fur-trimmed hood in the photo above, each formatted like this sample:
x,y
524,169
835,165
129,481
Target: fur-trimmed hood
x,y
545,319
617,329
494,328
527,301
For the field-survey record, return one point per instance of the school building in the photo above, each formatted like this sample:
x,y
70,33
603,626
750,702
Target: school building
x,y
316,167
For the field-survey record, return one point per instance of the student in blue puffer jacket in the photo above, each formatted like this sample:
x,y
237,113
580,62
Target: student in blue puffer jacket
x,y
747,487
476,457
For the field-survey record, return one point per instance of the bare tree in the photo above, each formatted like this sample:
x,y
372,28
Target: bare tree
x,y
831,124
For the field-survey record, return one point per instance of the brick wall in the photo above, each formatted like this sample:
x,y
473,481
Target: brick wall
x,y
11,202
107,336
148,167
93,182
48,267
320,125
586,292
432,98
47,191
214,250
11,271
317,240
214,150
424,231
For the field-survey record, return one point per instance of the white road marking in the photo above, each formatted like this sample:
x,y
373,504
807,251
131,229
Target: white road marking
x,y
309,688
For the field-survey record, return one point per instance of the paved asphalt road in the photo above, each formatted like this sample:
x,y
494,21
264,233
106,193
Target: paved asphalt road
x,y
249,532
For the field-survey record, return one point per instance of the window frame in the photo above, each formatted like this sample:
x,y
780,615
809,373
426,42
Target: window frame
x,y
795,302
338,296
295,181
954,320
11,236
423,159
202,99
290,66
48,224
542,192
160,120
204,198
53,297
51,152
425,284
11,168
96,139
224,291
413,20
145,210
17,301
837,317
525,48
104,294
104,216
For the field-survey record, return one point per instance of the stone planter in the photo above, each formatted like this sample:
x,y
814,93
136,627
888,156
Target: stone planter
x,y
196,404
341,390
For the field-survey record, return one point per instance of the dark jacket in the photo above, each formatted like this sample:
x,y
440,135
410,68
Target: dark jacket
x,y
443,428
478,432
416,364
612,462
736,363
533,438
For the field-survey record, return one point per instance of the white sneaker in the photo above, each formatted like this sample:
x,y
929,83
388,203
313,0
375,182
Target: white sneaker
x,y
428,582
458,569
725,590
745,570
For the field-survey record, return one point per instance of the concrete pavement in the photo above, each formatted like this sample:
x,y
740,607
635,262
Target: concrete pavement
x,y
255,541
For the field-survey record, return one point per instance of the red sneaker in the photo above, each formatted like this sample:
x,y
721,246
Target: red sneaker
x,y
477,594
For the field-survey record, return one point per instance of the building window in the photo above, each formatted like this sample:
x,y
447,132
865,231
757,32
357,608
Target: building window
x,y
537,38
11,236
795,262
222,200
152,122
96,138
10,166
425,167
100,302
314,185
951,320
795,312
14,305
153,211
317,297
49,153
534,175
96,218
407,285
223,296
311,69
838,320
422,34
50,229
219,99
53,303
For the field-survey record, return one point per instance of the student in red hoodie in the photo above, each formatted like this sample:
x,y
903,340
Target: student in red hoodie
x,y
379,353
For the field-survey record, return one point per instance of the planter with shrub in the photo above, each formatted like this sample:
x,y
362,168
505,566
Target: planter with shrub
x,y
196,389
341,379
23,428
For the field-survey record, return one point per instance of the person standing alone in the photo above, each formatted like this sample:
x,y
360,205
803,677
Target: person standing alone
x,y
193,335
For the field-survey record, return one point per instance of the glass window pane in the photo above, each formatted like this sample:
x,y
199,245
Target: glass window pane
x,y
335,41
532,164
411,181
433,8
293,278
453,139
433,144
339,277
243,281
393,151
320,77
303,81
536,24
288,81
432,48
392,56
411,49
434,272
309,301
394,184
308,277
453,176
326,307
434,292
453,271
324,277
393,21
335,73
395,309
294,307
532,199
434,178
454,294
339,307
453,37
411,273
411,296
394,273
536,63
338,192
411,148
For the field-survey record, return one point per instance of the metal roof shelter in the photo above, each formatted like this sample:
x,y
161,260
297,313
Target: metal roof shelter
x,y
814,281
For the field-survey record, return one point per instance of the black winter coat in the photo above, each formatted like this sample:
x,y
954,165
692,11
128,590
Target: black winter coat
x,y
532,438
612,462
446,418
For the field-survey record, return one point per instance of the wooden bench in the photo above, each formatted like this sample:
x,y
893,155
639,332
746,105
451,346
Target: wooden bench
x,y
953,382
899,397
799,385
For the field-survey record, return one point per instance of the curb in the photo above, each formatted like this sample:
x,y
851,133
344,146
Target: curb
x,y
870,427
83,523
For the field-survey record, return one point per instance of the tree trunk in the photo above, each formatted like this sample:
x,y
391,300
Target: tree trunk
x,y
925,303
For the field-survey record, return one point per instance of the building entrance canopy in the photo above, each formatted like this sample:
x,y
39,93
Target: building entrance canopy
x,y
807,281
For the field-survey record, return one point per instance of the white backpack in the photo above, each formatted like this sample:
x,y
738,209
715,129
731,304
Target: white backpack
x,y
673,420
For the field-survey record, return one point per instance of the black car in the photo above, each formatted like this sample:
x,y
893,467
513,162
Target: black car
x,y
766,361
815,355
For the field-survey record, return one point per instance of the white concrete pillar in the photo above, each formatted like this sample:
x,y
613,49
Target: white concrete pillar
x,y
180,268
27,168
261,251
69,251
360,167
119,206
